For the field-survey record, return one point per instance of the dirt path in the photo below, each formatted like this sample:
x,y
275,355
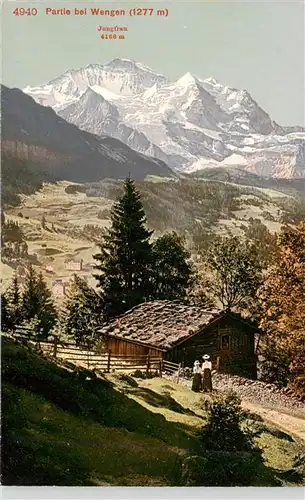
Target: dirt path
x,y
258,399
292,425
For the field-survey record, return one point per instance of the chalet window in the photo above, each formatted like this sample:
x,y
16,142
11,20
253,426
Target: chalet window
x,y
237,341
225,341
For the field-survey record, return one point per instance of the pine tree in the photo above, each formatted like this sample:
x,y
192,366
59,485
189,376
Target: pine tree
x,y
37,302
125,257
83,312
172,273
48,314
2,229
13,297
30,297
5,317
23,250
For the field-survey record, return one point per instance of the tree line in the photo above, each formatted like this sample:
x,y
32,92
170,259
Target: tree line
x,y
13,244
133,266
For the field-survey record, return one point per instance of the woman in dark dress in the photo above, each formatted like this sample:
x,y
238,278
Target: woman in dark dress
x,y
197,377
207,374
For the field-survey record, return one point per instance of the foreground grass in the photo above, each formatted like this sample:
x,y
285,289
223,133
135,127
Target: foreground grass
x,y
60,429
60,448
279,448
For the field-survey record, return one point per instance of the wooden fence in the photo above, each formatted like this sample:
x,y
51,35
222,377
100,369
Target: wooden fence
x,y
104,361
173,369
92,360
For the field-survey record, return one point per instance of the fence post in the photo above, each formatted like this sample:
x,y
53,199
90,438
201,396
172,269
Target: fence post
x,y
218,363
148,364
109,361
178,373
88,358
55,346
160,367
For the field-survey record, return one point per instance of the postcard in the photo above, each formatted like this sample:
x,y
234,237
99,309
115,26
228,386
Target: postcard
x,y
153,245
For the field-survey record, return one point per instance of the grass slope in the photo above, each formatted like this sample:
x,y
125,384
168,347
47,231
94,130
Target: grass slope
x,y
60,429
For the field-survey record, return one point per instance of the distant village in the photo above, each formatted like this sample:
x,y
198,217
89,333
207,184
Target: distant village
x,y
61,284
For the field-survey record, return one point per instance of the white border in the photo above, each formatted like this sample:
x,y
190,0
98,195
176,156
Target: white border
x,y
143,493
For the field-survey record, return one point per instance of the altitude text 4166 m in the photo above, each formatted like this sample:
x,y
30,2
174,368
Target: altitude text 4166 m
x,y
112,36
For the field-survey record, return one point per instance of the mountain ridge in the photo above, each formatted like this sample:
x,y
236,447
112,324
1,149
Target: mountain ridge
x,y
38,137
188,123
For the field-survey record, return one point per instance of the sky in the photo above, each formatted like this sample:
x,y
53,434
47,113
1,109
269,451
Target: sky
x,y
253,45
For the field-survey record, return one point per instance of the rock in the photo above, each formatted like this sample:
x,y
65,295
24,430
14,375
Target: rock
x,y
255,391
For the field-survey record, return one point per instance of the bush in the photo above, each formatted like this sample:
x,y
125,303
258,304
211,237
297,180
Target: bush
x,y
140,374
224,430
187,372
225,469
128,379
299,465
229,455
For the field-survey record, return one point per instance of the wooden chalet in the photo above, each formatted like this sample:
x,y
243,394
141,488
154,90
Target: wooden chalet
x,y
181,333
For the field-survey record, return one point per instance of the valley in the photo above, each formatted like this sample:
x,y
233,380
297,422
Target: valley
x,y
75,216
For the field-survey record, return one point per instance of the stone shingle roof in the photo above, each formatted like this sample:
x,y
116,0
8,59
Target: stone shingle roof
x,y
161,323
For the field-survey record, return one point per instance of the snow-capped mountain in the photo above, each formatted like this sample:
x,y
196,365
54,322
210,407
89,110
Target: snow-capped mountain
x,y
120,77
189,123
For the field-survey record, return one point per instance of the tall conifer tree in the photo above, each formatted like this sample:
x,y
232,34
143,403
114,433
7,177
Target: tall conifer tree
x,y
172,273
13,298
37,302
125,259
5,317
83,312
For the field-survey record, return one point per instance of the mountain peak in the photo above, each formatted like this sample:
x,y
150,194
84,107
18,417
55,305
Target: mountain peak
x,y
212,81
120,61
187,80
127,64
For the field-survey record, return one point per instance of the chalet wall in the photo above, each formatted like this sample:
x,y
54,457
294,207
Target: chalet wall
x,y
229,339
123,347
